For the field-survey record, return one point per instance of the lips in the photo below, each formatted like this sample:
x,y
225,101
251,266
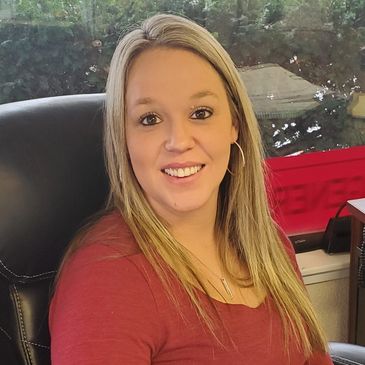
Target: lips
x,y
183,171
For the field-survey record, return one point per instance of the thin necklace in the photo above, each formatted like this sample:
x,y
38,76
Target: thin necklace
x,y
219,293
224,282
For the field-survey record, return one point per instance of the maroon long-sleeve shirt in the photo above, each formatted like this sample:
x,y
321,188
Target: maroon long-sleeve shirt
x,y
110,308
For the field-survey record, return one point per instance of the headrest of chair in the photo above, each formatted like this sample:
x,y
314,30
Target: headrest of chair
x,y
52,176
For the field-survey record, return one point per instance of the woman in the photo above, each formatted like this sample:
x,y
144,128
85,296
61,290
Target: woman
x,y
186,266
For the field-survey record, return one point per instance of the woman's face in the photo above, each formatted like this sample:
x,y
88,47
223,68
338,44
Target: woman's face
x,y
179,130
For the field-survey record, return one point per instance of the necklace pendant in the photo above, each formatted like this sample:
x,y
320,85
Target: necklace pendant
x,y
226,287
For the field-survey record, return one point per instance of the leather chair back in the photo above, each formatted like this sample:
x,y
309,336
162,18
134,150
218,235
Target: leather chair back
x,y
52,177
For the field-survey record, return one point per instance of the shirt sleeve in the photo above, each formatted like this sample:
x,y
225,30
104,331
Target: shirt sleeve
x,y
103,312
320,359
288,246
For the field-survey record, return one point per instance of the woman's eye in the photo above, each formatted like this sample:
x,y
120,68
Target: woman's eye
x,y
202,113
149,119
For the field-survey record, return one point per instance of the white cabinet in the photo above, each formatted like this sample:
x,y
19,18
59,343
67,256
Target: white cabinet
x,y
327,280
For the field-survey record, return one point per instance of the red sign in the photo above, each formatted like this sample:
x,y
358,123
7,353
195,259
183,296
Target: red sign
x,y
308,189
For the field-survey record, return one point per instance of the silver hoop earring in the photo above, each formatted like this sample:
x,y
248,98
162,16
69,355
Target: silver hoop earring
x,y
242,156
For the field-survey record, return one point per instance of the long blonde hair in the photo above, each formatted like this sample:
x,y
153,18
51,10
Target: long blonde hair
x,y
243,220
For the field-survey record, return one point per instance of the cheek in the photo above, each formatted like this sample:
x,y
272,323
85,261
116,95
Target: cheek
x,y
220,155
141,155
136,156
221,141
134,152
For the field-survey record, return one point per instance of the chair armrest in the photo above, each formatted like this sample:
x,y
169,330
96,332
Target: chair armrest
x,y
347,354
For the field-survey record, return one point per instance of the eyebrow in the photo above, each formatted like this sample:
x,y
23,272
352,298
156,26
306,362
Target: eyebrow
x,y
198,95
204,93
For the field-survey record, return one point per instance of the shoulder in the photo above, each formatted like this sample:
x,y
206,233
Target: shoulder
x,y
289,250
99,270
107,261
103,290
111,230
287,245
107,237
320,358
108,247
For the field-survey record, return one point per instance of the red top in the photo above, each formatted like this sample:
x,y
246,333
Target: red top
x,y
110,309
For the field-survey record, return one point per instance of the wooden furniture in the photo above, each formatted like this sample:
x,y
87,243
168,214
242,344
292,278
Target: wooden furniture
x,y
357,295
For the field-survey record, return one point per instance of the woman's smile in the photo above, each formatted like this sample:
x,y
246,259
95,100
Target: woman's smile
x,y
183,170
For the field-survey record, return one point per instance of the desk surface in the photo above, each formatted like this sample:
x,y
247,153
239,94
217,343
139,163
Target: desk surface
x,y
318,261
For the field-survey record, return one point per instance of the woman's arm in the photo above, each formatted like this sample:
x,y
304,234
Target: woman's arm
x,y
103,312
320,359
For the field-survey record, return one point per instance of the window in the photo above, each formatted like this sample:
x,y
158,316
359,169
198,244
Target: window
x,y
302,61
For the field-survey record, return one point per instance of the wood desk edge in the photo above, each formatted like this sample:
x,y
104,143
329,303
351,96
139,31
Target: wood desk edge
x,y
356,208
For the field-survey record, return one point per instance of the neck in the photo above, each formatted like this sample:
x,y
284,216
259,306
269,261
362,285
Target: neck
x,y
194,229
197,236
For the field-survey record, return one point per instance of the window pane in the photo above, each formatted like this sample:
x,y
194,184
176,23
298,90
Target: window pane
x,y
302,61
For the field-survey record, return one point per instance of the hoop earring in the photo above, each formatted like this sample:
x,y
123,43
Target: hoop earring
x,y
242,156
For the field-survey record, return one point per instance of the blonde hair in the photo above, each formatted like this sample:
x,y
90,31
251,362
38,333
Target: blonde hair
x,y
243,220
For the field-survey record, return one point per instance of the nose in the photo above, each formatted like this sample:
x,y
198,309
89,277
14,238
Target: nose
x,y
179,136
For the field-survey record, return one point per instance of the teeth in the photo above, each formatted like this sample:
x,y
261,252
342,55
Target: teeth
x,y
183,172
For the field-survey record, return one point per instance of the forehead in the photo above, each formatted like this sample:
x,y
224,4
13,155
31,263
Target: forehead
x,y
171,70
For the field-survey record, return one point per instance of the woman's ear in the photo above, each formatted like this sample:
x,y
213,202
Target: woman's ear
x,y
234,131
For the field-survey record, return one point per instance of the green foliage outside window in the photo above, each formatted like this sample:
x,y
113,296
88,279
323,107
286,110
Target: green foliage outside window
x,y
347,12
52,47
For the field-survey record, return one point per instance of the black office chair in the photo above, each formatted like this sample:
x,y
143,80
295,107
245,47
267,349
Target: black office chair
x,y
52,178
347,354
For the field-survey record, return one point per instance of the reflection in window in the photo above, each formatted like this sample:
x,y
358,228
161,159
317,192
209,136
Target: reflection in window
x,y
302,61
